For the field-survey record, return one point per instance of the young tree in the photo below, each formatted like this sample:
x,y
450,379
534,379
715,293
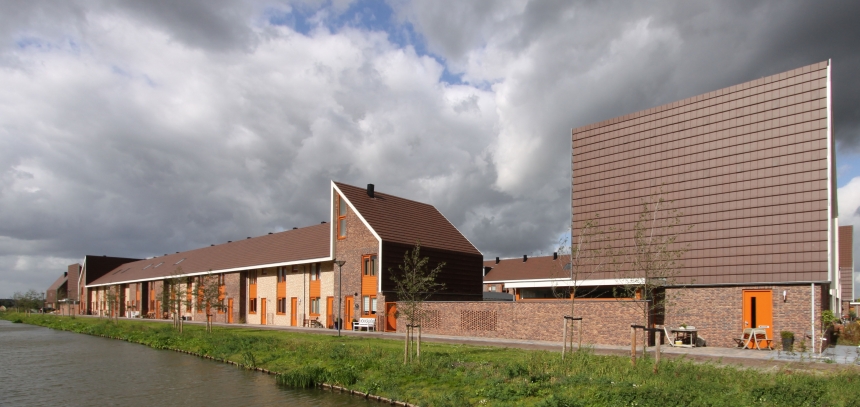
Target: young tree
x,y
209,291
111,296
653,262
29,300
414,284
583,256
175,295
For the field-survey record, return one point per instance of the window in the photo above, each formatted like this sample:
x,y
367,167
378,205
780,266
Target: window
x,y
282,306
369,305
282,274
341,218
492,288
252,292
315,306
315,271
370,265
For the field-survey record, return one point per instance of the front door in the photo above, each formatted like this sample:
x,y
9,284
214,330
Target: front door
x,y
329,309
390,317
294,308
758,310
229,310
347,312
262,311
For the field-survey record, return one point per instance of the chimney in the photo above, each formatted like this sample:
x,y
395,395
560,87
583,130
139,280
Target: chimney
x,y
525,258
370,190
555,255
497,260
65,274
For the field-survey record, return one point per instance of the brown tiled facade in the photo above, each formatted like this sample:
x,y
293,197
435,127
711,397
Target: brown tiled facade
x,y
846,267
748,166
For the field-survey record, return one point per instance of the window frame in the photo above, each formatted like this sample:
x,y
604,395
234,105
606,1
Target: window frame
x,y
373,259
314,306
342,211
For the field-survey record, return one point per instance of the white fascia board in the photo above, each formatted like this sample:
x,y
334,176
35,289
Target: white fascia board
x,y
364,221
832,208
222,271
567,282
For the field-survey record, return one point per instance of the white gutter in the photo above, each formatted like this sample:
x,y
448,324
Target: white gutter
x,y
202,273
567,282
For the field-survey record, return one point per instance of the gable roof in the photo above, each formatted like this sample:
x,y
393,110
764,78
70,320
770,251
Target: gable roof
x,y
59,283
534,268
400,220
292,246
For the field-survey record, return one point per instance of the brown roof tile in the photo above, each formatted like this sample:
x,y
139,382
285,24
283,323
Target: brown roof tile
x,y
405,221
58,283
533,268
293,245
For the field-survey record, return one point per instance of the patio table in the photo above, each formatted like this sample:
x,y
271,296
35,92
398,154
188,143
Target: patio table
x,y
687,336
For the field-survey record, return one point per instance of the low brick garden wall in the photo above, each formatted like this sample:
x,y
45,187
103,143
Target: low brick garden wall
x,y
604,322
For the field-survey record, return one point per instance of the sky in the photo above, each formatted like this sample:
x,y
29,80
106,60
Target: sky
x,y
134,129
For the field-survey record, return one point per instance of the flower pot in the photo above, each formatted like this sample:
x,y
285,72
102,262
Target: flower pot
x,y
787,344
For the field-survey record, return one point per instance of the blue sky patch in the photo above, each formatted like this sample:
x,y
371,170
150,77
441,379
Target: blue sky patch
x,y
366,15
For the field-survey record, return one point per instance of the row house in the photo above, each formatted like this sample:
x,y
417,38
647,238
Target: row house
x,y
321,275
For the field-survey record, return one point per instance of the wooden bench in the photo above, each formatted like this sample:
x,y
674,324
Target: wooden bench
x,y
367,323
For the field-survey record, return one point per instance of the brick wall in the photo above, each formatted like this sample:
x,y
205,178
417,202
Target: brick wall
x,y
605,322
717,312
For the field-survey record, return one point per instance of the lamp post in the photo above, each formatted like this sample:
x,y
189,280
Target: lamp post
x,y
340,264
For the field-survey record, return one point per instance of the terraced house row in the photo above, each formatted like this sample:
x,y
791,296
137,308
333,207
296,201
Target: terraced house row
x,y
310,276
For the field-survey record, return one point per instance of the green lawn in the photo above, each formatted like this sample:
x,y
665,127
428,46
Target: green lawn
x,y
461,375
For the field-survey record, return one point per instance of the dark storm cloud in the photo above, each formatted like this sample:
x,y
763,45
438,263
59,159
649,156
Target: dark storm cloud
x,y
142,128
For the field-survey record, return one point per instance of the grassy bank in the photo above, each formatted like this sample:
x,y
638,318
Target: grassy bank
x,y
459,375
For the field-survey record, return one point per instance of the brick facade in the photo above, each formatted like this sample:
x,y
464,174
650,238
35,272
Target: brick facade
x,y
359,241
717,312
605,322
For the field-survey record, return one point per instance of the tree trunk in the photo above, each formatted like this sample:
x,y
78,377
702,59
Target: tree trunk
x,y
406,347
418,355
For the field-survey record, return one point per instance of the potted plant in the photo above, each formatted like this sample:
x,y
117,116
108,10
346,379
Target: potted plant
x,y
787,340
683,326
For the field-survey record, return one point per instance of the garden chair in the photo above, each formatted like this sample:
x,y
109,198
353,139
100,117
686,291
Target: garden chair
x,y
745,338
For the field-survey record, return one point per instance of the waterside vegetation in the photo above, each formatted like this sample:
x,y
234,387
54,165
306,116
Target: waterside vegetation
x,y
460,375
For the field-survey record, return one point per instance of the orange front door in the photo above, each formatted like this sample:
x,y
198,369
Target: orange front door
x,y
229,310
294,305
347,312
758,310
262,311
390,317
329,309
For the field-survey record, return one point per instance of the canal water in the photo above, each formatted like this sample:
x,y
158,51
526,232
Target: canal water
x,y
45,367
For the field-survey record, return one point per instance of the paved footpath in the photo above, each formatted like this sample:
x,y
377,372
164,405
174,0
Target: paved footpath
x,y
748,357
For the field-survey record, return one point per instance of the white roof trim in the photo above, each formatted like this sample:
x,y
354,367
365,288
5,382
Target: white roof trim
x,y
566,282
202,273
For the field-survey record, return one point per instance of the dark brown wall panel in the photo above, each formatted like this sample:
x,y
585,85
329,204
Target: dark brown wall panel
x,y
746,165
462,273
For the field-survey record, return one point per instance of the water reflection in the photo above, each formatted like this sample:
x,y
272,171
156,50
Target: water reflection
x,y
41,366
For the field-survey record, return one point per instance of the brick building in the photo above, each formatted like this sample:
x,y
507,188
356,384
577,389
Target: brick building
x,y
291,278
751,169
